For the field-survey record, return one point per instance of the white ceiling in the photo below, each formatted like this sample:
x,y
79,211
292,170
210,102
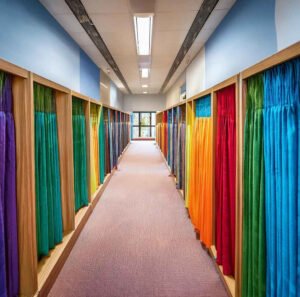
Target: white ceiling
x,y
114,21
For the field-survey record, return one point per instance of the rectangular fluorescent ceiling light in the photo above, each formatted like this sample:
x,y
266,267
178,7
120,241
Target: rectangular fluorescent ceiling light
x,y
145,72
144,86
143,34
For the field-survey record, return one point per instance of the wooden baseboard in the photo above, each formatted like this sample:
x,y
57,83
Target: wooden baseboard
x,y
228,281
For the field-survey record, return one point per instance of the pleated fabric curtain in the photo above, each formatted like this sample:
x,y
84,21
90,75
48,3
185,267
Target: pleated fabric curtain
x,y
169,137
200,200
94,147
9,264
107,140
189,146
180,158
47,172
79,153
225,179
254,237
102,153
282,180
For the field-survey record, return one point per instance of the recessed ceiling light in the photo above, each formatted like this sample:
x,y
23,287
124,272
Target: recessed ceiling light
x,y
145,92
144,86
145,72
143,34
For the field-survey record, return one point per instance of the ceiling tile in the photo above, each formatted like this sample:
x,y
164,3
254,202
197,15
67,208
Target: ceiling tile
x,y
113,22
104,6
70,23
56,6
174,21
177,5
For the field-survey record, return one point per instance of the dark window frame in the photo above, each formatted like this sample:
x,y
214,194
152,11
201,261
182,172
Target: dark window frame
x,y
144,126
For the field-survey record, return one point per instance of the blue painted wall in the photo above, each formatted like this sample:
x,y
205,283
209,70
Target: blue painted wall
x,y
89,76
31,38
245,36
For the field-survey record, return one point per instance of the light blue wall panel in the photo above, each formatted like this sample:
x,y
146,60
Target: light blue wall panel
x,y
31,38
89,77
245,36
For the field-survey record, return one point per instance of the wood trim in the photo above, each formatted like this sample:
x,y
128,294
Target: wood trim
x,y
80,96
95,102
48,83
13,69
200,95
226,83
65,139
287,54
88,146
25,160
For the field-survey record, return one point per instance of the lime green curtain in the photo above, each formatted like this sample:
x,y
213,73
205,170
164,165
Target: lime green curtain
x,y
254,237
101,135
47,171
79,152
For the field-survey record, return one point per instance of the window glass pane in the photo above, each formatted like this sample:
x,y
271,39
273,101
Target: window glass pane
x,y
153,118
135,132
153,132
145,132
145,119
135,118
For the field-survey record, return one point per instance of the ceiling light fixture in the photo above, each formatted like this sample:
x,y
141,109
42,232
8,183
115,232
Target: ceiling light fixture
x,y
145,92
143,33
144,86
145,72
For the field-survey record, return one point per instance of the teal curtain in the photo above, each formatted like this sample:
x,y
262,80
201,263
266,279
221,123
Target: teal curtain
x,y
102,153
281,151
47,171
79,154
254,241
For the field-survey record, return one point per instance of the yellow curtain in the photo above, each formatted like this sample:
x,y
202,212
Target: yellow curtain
x,y
200,180
94,147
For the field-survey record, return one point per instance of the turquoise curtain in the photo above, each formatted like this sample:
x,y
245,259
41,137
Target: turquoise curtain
x,y
79,154
102,158
47,171
281,151
254,241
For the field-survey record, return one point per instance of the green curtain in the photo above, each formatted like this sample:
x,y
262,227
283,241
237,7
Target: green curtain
x,y
254,236
47,171
101,136
79,151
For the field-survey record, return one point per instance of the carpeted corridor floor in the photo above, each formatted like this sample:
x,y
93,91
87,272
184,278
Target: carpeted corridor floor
x,y
139,242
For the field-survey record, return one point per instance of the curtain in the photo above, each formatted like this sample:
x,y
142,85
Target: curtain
x,y
102,158
281,152
189,125
79,151
107,141
169,137
180,157
200,201
94,124
225,174
174,141
9,270
47,172
254,241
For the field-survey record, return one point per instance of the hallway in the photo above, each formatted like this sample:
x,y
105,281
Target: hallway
x,y
139,240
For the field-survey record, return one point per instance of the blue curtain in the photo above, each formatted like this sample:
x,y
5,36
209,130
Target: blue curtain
x,y
281,152
203,108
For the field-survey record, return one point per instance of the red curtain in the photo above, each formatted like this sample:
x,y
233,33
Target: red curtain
x,y
225,179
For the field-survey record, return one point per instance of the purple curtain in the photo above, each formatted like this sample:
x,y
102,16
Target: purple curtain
x,y
9,274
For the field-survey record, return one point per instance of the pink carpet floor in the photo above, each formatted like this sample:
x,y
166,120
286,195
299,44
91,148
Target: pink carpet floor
x,y
139,241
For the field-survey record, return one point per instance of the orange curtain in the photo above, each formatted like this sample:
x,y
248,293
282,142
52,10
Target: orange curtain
x,y
200,193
